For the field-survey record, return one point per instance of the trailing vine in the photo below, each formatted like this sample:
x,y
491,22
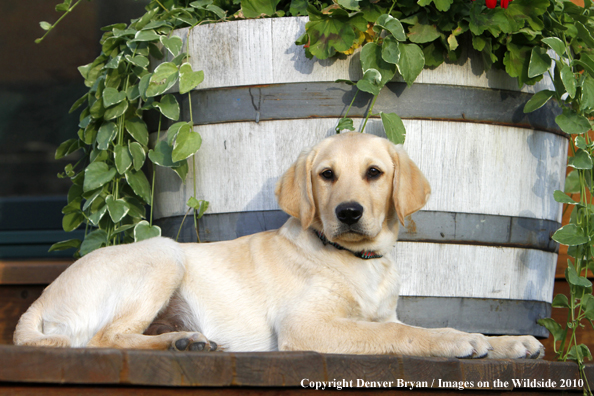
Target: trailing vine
x,y
529,39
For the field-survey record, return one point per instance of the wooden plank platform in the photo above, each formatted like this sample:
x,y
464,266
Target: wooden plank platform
x,y
26,370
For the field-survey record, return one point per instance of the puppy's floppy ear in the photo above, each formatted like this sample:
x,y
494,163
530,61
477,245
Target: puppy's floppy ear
x,y
411,189
294,190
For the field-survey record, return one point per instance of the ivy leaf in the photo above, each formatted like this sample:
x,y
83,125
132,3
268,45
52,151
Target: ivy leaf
x,y
561,197
554,328
395,130
123,159
371,82
173,44
371,58
572,182
581,160
579,353
112,96
161,155
573,123
98,214
200,3
538,100
181,170
137,209
97,174
392,25
139,183
580,142
587,101
93,241
391,50
137,128
411,62
45,25
66,148
71,220
588,306
188,79
560,301
555,44
570,235
540,62
138,60
169,107
174,130
146,35
138,155
107,132
163,78
219,12
91,196
186,144
255,8
117,208
117,110
64,245
199,205
344,123
133,93
569,81
574,278
144,230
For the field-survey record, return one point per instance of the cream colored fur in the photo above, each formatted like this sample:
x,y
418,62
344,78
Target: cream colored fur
x,y
281,289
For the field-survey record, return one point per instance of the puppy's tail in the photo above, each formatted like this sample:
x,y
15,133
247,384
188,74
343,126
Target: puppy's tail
x,y
29,330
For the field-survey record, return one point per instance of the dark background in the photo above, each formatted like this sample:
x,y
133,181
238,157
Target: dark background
x,y
38,85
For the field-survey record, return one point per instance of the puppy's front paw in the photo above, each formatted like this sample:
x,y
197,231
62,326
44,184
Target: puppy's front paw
x,y
453,343
194,342
516,347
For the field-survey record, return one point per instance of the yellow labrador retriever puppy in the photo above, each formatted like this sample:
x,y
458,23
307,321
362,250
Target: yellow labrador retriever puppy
x,y
321,282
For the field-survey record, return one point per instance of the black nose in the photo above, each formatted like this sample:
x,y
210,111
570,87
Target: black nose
x,y
349,212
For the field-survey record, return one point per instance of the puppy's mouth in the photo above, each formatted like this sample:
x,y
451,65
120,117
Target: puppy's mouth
x,y
353,233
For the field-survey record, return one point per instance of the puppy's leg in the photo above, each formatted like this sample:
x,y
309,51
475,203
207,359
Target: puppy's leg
x,y
341,335
179,341
516,347
126,332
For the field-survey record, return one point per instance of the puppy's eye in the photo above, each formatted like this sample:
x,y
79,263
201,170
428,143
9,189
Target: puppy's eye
x,y
327,174
373,173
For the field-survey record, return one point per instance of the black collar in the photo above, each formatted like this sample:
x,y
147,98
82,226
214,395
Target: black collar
x,y
364,254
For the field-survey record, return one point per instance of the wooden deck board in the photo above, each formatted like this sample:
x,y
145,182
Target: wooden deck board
x,y
23,368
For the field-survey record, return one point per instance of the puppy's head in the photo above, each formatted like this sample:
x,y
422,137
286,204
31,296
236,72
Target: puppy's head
x,y
353,187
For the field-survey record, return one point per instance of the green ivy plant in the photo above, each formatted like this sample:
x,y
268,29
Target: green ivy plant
x,y
529,39
572,72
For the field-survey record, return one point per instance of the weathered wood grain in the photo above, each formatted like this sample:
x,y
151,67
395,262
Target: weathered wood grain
x,y
448,270
20,366
40,272
263,51
250,157
14,301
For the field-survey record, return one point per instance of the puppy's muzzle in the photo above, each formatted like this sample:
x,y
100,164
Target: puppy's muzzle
x,y
349,213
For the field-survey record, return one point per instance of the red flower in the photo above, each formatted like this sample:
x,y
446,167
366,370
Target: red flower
x,y
491,3
504,3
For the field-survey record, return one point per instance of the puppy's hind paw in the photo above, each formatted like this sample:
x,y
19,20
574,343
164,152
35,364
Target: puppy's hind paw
x,y
193,342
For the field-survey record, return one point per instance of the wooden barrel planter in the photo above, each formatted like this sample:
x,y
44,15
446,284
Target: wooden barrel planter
x,y
478,257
